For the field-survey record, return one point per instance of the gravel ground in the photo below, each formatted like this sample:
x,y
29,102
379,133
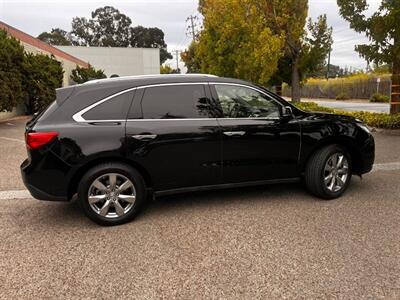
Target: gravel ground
x,y
261,242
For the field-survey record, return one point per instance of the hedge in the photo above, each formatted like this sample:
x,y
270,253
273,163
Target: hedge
x,y
378,120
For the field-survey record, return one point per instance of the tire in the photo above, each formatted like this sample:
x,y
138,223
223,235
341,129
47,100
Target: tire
x,y
321,177
111,193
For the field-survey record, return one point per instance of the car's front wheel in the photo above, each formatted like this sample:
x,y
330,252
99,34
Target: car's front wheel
x,y
328,172
111,193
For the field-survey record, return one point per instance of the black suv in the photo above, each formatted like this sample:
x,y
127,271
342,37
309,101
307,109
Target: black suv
x,y
114,142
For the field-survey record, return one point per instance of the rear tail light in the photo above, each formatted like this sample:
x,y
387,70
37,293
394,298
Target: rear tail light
x,y
35,140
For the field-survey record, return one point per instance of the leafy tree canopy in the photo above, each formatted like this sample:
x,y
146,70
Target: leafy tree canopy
x,y
190,59
42,75
236,41
143,37
11,64
383,30
166,69
108,27
81,75
57,36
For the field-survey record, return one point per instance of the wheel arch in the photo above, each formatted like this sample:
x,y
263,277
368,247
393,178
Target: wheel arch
x,y
345,142
76,178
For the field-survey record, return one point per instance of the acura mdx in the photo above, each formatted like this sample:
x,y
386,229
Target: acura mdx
x,y
116,142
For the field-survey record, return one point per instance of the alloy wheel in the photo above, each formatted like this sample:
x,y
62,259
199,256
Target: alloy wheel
x,y
112,195
336,172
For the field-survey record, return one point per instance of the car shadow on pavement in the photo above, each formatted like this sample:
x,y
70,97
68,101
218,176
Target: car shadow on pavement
x,y
221,199
70,215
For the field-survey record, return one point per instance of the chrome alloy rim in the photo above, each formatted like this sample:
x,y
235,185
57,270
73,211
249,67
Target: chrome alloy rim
x,y
336,172
112,195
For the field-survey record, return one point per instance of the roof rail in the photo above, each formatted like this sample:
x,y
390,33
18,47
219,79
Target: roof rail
x,y
147,76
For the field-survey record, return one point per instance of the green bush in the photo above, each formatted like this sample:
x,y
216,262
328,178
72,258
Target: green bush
x,y
42,76
81,74
11,65
342,96
378,120
379,98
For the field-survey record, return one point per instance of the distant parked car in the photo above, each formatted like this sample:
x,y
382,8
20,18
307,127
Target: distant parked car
x,y
114,142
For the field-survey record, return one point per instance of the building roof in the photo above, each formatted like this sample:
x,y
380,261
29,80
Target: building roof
x,y
28,39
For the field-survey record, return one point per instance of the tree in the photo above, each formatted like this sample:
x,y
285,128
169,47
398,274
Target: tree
x,y
190,59
237,42
56,37
383,30
81,75
11,64
107,28
166,69
143,37
306,43
42,74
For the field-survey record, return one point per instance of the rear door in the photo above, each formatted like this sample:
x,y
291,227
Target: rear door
x,y
173,133
257,143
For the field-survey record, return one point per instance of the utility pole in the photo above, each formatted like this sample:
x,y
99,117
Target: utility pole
x,y
192,26
177,60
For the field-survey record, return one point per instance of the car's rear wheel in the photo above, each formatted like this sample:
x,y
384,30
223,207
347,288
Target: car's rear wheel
x,y
111,193
328,172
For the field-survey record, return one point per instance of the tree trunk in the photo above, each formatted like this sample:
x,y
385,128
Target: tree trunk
x,y
295,80
279,89
395,99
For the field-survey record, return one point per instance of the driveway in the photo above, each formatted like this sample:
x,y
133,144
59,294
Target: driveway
x,y
263,242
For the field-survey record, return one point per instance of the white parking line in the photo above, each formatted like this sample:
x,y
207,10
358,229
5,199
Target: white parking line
x,y
21,194
24,194
12,140
387,166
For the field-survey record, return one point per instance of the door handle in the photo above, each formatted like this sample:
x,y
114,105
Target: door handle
x,y
234,133
144,137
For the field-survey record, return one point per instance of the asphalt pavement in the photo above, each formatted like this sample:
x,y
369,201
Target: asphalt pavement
x,y
268,242
355,106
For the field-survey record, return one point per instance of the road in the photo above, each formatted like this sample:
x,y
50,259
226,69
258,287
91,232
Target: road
x,y
350,105
355,106
254,243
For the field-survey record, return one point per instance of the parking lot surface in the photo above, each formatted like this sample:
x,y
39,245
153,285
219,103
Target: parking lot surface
x,y
262,242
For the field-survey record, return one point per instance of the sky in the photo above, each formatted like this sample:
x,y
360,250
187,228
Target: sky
x,y
36,16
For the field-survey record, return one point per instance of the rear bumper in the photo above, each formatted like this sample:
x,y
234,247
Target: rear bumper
x,y
40,187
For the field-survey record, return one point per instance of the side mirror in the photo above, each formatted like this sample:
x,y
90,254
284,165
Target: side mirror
x,y
287,112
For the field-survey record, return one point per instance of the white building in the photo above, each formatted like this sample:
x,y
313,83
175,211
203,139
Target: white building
x,y
118,61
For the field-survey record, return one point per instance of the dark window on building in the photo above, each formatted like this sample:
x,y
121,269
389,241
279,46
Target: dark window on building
x,y
176,102
113,109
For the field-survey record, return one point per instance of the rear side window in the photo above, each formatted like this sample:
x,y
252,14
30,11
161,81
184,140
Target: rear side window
x,y
176,102
113,109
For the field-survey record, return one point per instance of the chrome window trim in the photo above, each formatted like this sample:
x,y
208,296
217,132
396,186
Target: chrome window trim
x,y
77,117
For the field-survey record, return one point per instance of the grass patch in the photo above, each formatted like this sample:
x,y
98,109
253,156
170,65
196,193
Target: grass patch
x,y
378,120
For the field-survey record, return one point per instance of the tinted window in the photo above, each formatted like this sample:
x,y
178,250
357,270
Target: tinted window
x,y
113,109
175,102
242,102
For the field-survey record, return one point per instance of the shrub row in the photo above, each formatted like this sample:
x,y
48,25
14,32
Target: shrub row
x,y
378,120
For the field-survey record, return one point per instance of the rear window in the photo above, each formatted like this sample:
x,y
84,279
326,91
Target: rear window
x,y
114,109
175,102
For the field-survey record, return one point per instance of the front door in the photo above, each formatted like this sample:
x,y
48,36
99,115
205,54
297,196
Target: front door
x,y
175,137
257,143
